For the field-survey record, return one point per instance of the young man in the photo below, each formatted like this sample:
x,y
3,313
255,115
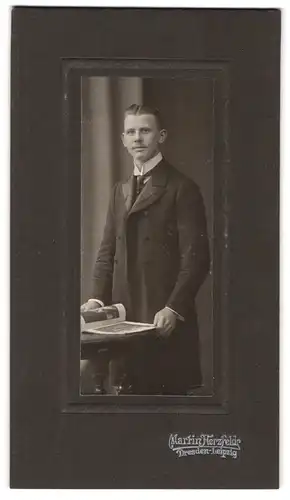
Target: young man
x,y
153,258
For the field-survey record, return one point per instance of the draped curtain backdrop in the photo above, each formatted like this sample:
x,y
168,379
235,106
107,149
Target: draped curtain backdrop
x,y
187,110
104,160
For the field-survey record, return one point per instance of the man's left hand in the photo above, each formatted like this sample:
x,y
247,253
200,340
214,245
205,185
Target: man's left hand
x,y
165,321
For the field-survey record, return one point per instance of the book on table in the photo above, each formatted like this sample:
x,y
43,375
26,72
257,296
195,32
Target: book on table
x,y
111,321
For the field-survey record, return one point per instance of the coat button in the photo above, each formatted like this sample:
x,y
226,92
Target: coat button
x,y
145,213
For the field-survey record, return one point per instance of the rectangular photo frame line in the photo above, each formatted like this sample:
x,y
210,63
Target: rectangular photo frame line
x,y
80,74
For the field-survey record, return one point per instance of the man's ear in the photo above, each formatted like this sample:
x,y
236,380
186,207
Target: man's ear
x,y
123,138
162,135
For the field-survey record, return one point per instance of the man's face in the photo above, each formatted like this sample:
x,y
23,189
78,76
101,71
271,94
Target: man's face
x,y
142,137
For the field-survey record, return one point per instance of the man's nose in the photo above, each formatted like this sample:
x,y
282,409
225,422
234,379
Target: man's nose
x,y
137,135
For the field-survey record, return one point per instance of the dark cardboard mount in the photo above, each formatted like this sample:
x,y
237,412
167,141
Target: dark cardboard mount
x,y
60,439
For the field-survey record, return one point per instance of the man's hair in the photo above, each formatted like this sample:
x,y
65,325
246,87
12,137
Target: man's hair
x,y
142,109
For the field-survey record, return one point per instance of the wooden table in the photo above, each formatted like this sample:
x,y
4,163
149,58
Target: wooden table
x,y
109,351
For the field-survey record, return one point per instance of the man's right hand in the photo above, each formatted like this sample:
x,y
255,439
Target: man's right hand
x,y
88,306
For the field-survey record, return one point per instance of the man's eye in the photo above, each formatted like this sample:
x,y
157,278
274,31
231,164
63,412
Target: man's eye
x,y
145,130
130,132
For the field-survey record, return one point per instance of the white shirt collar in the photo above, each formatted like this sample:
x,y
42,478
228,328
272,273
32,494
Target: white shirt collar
x,y
148,165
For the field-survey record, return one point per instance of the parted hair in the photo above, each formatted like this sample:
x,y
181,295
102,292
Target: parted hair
x,y
143,109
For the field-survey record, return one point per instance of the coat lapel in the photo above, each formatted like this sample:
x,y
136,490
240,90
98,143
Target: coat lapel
x,y
153,189
128,192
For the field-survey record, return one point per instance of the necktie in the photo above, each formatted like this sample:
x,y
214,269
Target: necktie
x,y
140,183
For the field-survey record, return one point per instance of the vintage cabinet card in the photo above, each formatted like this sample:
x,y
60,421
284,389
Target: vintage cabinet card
x,y
145,204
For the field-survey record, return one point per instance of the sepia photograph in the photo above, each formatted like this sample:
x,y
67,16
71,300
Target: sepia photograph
x,y
145,248
147,155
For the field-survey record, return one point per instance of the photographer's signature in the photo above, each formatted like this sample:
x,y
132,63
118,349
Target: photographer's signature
x,y
205,444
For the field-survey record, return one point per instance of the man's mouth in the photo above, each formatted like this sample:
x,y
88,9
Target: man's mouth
x,y
139,147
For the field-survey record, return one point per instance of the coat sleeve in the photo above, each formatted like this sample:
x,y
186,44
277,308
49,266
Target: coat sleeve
x,y
193,247
104,266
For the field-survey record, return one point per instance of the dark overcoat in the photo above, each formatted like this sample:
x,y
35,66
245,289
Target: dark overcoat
x,y
154,253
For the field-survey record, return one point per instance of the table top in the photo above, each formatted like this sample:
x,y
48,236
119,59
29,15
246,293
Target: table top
x,y
99,338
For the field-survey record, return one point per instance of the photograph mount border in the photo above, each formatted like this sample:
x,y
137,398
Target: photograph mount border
x,y
219,72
